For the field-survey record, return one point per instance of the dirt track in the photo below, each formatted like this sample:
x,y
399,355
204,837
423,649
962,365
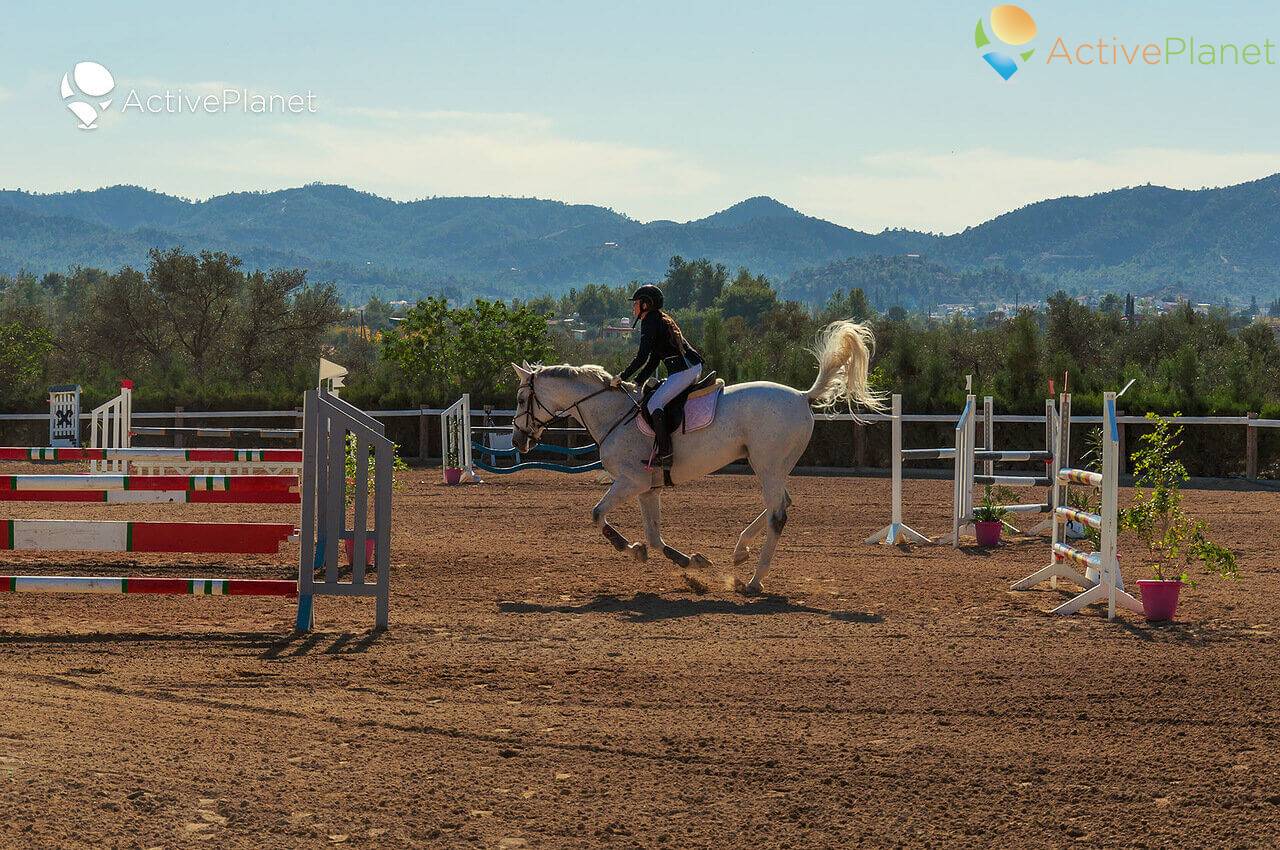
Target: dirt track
x,y
537,689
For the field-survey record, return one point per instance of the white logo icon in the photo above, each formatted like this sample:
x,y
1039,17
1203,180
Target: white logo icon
x,y
93,81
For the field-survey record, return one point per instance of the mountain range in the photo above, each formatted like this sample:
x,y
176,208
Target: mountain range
x,y
1214,244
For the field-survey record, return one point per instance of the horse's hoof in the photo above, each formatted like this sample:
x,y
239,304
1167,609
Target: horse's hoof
x,y
699,561
640,551
741,557
753,589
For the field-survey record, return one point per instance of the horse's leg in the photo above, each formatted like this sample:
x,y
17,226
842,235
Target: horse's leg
x,y
742,551
776,501
621,490
651,509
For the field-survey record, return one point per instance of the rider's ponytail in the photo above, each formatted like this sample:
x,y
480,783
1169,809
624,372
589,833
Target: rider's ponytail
x,y
676,334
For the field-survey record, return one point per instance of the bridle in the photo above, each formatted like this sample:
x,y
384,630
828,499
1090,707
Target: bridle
x,y
534,426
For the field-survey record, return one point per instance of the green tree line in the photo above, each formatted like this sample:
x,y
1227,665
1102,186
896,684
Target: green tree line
x,y
202,331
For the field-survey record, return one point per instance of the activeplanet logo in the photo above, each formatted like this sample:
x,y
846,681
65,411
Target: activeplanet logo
x,y
86,88
1004,39
87,82
1013,26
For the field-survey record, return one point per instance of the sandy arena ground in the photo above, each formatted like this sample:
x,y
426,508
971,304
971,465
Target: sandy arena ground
x,y
537,689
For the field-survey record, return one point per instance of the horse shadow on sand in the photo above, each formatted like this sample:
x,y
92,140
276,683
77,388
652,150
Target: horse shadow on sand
x,y
653,607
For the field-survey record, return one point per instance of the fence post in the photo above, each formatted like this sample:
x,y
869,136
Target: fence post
x,y
1251,449
178,441
859,445
423,426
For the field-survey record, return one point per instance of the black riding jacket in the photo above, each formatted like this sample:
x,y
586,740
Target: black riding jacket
x,y
659,344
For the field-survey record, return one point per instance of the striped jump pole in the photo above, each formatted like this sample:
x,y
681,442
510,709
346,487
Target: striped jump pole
x,y
226,433
224,483
76,535
152,489
153,454
159,460
155,497
1013,480
150,584
1102,581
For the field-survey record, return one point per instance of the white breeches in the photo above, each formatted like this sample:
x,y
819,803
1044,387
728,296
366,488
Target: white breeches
x,y
673,386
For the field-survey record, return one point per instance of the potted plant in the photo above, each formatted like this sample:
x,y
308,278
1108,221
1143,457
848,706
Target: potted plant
x,y
1174,540
452,461
397,465
988,519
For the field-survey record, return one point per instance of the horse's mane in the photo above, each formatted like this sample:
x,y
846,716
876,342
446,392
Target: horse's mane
x,y
564,370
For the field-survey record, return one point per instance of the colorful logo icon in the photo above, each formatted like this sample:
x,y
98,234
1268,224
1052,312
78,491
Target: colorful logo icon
x,y
1011,25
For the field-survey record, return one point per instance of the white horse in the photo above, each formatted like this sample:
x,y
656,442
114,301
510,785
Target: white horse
x,y
767,424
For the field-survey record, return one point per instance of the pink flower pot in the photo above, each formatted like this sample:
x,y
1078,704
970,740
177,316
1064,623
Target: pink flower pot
x,y
349,546
452,475
988,533
1159,598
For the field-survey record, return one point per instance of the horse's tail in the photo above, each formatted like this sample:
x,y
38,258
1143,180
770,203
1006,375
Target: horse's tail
x,y
844,350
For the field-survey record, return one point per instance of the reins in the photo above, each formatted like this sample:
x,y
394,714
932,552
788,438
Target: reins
x,y
553,415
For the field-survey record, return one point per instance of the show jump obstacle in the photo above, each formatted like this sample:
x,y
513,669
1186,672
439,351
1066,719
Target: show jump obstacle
x,y
1102,580
458,445
322,461
964,479
111,427
64,416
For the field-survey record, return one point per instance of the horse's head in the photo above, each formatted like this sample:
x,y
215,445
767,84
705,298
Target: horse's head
x,y
527,425
545,393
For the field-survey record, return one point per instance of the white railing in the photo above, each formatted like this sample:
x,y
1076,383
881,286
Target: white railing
x,y
455,438
110,429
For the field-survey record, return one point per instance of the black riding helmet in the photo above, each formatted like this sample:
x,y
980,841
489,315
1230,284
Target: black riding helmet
x,y
649,293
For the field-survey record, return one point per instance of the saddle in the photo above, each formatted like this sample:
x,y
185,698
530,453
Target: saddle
x,y
699,400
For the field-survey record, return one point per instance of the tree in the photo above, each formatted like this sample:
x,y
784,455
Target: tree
x,y
695,284
595,305
23,351
747,297
1021,382
444,352
420,347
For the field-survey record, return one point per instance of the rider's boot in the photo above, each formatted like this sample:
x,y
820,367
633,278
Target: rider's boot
x,y
662,435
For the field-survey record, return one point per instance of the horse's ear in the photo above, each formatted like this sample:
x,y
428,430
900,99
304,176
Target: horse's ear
x,y
526,365
522,372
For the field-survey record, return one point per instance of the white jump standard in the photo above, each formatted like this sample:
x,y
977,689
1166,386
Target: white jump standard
x,y
1101,579
898,531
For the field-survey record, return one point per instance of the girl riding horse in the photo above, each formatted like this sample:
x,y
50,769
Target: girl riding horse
x,y
661,341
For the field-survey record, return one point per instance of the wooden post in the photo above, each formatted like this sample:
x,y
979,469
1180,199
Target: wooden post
x,y
423,428
1251,449
859,445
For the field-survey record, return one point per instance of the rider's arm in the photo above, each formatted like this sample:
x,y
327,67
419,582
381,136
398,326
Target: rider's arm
x,y
646,360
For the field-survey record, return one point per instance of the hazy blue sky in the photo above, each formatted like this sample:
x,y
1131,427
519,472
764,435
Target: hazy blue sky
x,y
870,115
